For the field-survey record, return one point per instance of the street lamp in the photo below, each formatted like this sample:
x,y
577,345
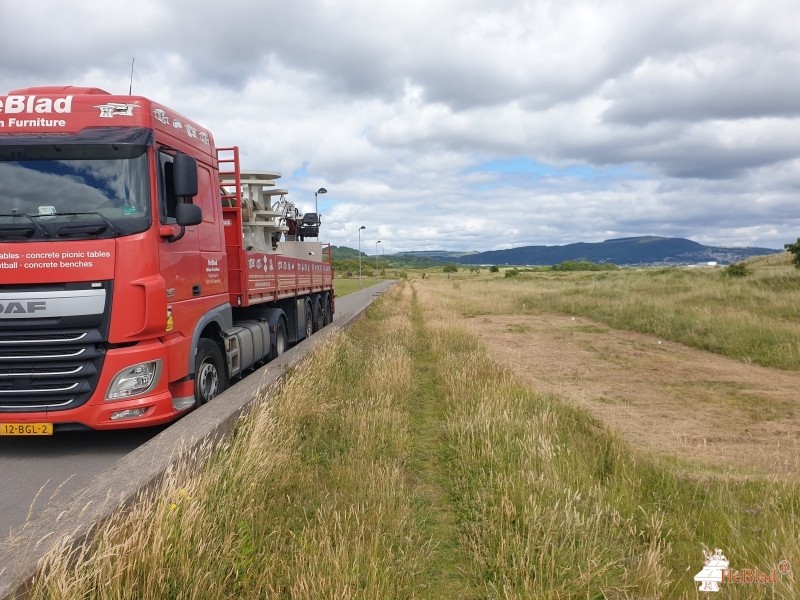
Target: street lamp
x,y
319,191
376,258
359,255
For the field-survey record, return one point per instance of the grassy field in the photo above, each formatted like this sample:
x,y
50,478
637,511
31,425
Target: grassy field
x,y
344,286
402,461
754,319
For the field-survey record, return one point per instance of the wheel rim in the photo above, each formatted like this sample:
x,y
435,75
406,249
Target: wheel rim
x,y
207,380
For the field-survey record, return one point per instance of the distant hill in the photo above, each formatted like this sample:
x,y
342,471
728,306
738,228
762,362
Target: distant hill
x,y
346,252
646,250
440,255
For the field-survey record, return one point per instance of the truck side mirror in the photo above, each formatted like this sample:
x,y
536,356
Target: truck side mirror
x,y
188,214
184,176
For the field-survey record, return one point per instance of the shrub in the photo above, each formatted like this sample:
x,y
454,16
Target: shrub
x,y
583,265
794,249
494,269
512,272
736,270
450,269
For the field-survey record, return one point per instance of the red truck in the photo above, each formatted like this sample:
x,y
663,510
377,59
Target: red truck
x,y
140,269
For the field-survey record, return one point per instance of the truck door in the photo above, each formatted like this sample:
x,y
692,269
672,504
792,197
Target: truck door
x,y
211,238
180,260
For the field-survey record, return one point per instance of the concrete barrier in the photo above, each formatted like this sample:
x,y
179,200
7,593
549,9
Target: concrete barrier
x,y
144,468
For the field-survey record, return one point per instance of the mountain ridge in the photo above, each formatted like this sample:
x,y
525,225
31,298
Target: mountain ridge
x,y
629,251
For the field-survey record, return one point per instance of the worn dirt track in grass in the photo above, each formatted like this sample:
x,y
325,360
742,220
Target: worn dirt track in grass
x,y
714,412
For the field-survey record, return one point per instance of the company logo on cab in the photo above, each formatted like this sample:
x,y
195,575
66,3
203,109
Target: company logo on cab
x,y
16,308
35,104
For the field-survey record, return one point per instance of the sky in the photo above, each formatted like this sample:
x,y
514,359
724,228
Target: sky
x,y
466,125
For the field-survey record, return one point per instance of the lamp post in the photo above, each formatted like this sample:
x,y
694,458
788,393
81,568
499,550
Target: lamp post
x,y
376,258
319,191
359,255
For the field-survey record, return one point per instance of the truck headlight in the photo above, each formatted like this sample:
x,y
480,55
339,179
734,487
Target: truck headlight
x,y
134,380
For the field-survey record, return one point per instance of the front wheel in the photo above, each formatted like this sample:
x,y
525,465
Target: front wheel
x,y
209,372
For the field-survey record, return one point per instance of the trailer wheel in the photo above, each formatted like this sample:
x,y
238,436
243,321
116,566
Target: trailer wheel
x,y
281,340
209,372
309,320
327,317
318,314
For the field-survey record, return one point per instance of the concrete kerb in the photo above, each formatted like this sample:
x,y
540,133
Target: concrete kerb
x,y
142,470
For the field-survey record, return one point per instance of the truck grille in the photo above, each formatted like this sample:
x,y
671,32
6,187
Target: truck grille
x,y
45,338
48,371
52,361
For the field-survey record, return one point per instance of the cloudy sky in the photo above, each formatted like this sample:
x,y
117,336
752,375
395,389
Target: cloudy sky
x,y
467,124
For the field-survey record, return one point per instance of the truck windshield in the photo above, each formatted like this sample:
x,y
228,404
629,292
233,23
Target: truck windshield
x,y
73,191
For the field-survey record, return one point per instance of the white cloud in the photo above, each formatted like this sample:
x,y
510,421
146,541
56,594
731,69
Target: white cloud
x,y
466,124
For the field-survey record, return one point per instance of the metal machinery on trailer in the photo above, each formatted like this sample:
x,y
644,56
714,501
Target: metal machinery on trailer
x,y
140,269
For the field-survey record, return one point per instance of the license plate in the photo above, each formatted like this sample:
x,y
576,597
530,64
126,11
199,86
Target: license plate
x,y
26,429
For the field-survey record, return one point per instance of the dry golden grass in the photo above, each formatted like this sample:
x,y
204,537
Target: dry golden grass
x,y
403,461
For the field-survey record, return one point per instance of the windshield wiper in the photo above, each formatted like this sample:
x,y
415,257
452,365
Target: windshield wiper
x,y
23,231
82,228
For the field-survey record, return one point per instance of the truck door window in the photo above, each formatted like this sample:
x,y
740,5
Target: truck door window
x,y
205,194
167,198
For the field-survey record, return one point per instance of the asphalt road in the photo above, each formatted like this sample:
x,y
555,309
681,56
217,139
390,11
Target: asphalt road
x,y
35,471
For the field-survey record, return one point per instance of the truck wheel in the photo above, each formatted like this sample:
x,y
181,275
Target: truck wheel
x,y
281,341
309,321
318,316
327,317
209,372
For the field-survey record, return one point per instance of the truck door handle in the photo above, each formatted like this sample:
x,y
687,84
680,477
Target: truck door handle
x,y
195,290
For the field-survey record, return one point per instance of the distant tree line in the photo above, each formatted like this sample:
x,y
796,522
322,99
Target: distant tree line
x,y
345,261
567,265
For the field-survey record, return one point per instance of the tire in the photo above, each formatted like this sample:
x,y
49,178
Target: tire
x,y
209,372
327,317
318,316
281,340
309,321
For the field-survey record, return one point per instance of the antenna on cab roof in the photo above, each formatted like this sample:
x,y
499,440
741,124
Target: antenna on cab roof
x,y
130,87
